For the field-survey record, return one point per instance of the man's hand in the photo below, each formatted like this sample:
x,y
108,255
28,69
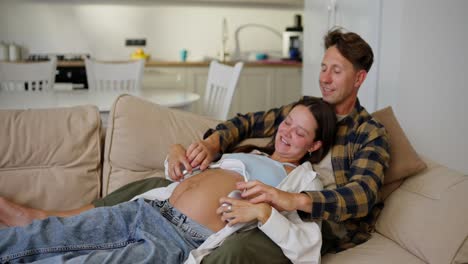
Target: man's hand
x,y
176,161
259,192
203,152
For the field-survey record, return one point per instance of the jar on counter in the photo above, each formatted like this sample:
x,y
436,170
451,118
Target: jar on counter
x,y
14,52
4,54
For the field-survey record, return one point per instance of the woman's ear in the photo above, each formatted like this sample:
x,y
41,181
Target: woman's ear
x,y
316,145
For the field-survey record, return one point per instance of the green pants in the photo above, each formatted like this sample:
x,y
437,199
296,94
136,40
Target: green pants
x,y
252,246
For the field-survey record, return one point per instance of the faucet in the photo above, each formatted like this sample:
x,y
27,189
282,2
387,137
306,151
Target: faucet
x,y
237,55
224,37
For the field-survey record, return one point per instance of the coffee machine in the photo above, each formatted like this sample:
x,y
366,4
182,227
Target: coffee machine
x,y
293,41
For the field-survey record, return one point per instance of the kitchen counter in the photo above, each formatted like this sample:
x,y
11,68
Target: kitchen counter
x,y
151,63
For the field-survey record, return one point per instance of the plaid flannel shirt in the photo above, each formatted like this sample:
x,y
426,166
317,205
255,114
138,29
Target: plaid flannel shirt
x,y
359,157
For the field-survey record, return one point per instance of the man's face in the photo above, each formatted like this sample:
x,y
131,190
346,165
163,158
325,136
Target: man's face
x,y
339,81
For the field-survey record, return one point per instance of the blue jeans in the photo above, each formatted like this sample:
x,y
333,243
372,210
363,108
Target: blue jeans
x,y
132,232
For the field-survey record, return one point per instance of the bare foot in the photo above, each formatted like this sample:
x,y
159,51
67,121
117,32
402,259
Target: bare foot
x,y
12,214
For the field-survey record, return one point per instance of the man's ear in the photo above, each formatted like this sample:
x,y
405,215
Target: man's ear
x,y
360,77
316,145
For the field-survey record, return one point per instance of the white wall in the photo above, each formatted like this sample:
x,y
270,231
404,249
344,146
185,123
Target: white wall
x,y
360,16
422,70
424,75
100,29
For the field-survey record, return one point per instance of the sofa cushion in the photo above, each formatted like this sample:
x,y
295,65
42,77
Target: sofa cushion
x,y
428,214
404,161
387,189
139,134
50,157
462,254
377,250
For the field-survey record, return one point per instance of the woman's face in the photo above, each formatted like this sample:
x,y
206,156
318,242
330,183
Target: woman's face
x,y
296,134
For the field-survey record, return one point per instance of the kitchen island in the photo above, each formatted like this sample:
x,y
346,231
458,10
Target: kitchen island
x,y
262,84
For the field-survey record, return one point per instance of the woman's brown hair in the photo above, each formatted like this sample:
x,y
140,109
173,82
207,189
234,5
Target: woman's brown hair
x,y
326,128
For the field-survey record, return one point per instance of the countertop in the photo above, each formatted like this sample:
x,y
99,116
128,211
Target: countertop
x,y
152,63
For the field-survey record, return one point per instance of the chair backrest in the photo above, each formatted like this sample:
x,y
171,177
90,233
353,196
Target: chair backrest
x,y
220,87
114,76
28,76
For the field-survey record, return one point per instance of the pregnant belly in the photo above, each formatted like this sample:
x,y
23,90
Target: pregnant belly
x,y
198,196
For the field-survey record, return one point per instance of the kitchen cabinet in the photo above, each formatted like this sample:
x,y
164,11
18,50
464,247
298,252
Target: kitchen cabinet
x,y
255,91
259,88
165,78
288,85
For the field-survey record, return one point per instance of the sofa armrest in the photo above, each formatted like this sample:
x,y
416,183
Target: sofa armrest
x,y
51,158
428,214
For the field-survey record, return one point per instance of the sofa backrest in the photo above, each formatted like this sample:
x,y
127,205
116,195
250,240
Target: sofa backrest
x,y
50,158
139,134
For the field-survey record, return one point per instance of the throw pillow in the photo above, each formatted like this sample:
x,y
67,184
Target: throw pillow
x,y
404,161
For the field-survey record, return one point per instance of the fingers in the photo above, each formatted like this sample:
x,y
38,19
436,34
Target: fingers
x,y
228,200
206,162
253,188
176,161
230,218
228,214
223,209
186,165
242,185
193,150
175,174
199,159
201,154
226,205
196,154
238,211
262,198
177,171
175,168
254,191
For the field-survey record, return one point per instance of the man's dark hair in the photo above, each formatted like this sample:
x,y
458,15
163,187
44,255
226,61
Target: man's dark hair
x,y
352,47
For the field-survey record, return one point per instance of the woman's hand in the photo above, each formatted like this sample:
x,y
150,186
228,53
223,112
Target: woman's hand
x,y
203,152
258,192
176,161
242,211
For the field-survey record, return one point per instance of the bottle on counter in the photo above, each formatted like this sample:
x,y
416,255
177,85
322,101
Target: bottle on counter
x,y
4,52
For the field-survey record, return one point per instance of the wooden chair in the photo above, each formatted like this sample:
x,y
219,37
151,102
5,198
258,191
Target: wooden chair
x,y
28,76
220,87
114,76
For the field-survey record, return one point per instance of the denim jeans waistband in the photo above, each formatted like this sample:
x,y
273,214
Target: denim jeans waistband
x,y
181,221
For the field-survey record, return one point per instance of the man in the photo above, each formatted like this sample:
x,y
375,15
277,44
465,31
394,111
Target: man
x,y
352,172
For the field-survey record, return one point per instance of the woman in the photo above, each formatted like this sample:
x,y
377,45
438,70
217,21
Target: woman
x,y
181,217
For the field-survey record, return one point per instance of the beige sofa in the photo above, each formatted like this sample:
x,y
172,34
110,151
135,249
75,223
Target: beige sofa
x,y
62,159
